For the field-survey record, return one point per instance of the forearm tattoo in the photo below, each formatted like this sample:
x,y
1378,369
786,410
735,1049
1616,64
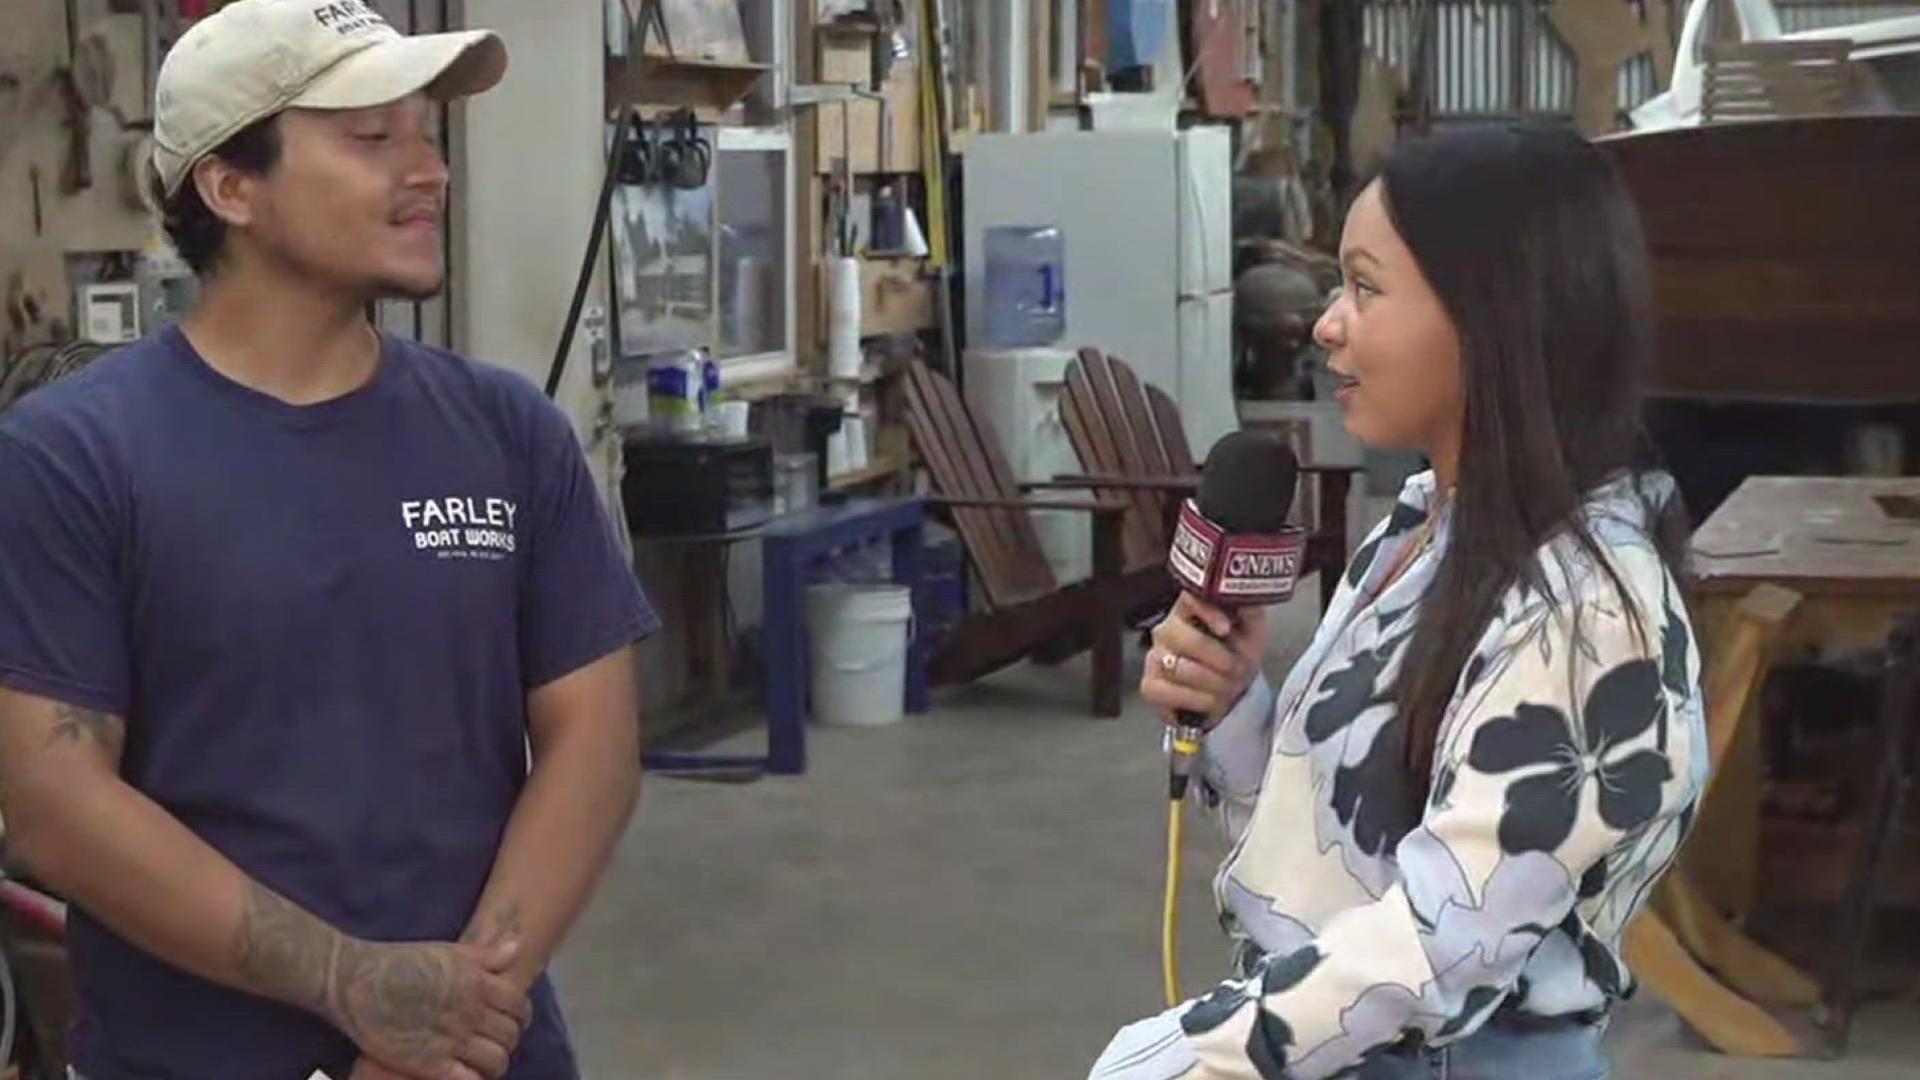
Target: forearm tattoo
x,y
390,996
393,997
72,724
285,953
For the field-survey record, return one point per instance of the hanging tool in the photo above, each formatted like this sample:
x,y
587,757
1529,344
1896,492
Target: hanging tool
x,y
602,209
39,220
12,106
887,17
934,171
651,17
87,83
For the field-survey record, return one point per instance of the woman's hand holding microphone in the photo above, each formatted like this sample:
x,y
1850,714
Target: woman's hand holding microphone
x,y
1198,670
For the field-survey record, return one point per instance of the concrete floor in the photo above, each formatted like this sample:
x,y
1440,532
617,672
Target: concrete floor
x,y
966,895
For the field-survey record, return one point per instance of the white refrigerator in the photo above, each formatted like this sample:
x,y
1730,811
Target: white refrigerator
x,y
1146,217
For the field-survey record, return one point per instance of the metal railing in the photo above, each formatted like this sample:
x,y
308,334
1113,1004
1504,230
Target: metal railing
x,y
1490,60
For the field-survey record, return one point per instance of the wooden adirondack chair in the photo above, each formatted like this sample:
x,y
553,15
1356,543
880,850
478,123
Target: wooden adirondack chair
x,y
1131,441
1029,613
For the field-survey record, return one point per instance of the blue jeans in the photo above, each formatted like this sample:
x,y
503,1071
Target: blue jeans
x,y
1569,1053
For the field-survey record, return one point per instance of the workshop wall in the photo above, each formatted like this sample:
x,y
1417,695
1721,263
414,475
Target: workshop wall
x,y
44,218
528,157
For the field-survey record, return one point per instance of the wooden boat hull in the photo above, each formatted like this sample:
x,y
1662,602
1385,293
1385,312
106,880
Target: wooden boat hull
x,y
1786,257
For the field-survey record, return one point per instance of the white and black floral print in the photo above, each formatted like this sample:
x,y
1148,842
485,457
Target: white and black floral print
x,y
1566,774
1556,756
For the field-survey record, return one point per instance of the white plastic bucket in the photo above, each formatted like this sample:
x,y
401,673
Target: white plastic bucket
x,y
857,652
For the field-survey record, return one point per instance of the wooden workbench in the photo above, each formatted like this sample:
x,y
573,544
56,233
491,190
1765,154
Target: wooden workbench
x,y
1856,566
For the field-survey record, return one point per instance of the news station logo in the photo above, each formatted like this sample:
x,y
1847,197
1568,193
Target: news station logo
x,y
1195,541
1236,569
1265,568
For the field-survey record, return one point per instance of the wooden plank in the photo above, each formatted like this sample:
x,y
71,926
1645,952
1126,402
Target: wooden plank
x,y
1740,655
1816,535
698,29
896,297
965,461
1031,568
1148,534
658,87
1096,426
902,91
1761,79
1726,859
810,233
1714,194
1220,28
1710,289
1731,1023
1039,63
1172,433
1602,35
1740,646
930,418
1750,969
1094,40
844,58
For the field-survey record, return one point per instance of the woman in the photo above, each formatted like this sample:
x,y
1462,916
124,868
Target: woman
x,y
1446,816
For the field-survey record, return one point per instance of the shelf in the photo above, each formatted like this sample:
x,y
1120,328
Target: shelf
x,y
879,470
709,88
869,375
896,296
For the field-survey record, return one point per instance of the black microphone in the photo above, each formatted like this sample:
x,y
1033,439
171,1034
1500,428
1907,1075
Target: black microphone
x,y
1233,548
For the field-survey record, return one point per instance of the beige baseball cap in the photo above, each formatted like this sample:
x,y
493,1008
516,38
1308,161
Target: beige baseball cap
x,y
255,58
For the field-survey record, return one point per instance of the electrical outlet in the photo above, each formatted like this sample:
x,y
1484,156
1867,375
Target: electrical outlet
x,y
593,327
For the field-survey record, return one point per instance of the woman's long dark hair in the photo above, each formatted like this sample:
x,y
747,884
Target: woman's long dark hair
x,y
1534,247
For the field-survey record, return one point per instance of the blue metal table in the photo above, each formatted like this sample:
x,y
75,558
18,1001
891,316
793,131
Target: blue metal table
x,y
791,547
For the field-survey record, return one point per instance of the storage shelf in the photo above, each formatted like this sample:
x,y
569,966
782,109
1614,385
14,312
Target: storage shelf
x,y
709,88
869,375
879,470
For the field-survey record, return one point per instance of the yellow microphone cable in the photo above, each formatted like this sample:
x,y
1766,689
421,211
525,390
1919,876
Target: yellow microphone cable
x,y
1186,747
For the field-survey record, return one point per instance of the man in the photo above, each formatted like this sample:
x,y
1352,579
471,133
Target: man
x,y
283,603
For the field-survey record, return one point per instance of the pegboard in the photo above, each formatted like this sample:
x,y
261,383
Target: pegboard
x,y
40,223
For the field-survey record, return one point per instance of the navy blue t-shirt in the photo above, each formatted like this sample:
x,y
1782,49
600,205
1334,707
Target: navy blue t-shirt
x,y
321,623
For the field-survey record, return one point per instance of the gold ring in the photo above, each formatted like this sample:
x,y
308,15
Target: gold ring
x,y
1169,663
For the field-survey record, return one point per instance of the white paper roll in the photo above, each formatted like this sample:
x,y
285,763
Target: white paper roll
x,y
843,318
859,451
751,278
916,243
837,454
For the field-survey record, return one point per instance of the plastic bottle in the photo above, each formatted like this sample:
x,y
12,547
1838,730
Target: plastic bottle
x,y
1026,286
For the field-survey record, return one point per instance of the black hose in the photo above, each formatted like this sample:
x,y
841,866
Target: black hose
x,y
600,213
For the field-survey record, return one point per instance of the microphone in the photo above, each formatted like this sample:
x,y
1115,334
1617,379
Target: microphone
x,y
1233,548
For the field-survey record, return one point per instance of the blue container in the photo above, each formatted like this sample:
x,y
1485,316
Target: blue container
x,y
940,601
1136,32
1026,286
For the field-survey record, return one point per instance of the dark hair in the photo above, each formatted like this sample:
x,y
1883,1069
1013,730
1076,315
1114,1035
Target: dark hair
x,y
1534,247
197,232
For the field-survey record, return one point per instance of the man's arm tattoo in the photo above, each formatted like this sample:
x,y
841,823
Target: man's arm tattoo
x,y
72,724
392,998
285,953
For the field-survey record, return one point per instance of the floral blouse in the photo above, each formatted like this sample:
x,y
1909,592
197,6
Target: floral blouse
x,y
1566,773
